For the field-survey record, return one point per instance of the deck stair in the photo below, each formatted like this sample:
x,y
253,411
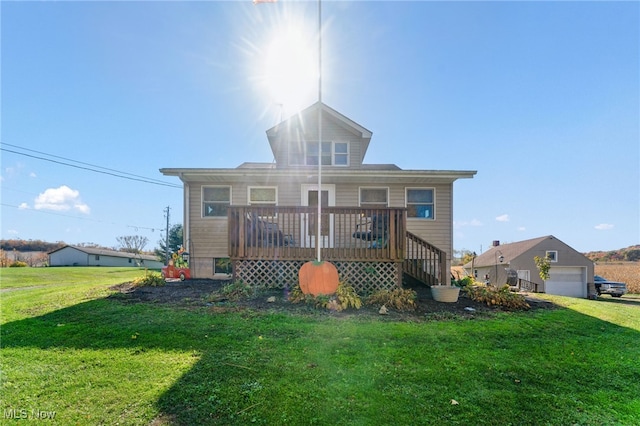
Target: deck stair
x,y
424,262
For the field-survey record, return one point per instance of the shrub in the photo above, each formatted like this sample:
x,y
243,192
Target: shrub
x,y
18,264
347,297
237,290
344,298
398,298
149,279
464,282
494,296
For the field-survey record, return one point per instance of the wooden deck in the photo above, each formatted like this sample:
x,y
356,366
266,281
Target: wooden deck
x,y
348,234
288,233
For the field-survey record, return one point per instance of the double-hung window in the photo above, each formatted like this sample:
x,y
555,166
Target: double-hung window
x,y
215,201
340,154
330,153
420,203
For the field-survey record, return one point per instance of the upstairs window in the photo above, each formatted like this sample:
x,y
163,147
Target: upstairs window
x,y
420,203
330,153
215,201
340,154
312,153
552,255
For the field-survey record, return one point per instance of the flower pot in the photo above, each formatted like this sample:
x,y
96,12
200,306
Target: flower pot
x,y
445,293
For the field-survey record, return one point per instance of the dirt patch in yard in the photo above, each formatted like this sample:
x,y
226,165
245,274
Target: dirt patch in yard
x,y
206,293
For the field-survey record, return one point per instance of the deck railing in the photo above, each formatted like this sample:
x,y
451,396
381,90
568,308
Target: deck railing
x,y
526,285
288,233
424,261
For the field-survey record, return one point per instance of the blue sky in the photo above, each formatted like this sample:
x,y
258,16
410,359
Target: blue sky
x,y
541,98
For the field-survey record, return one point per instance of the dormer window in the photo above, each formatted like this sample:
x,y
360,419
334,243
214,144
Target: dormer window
x,y
331,154
340,154
312,153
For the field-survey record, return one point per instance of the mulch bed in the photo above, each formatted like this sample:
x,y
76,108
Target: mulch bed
x,y
198,292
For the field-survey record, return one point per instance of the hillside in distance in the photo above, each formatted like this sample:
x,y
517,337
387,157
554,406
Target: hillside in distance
x,y
629,254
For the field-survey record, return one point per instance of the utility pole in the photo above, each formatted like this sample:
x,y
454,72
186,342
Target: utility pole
x,y
166,238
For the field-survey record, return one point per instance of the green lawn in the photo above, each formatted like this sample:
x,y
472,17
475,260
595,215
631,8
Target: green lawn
x,y
71,349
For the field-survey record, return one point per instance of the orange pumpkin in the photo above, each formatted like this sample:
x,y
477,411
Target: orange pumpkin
x,y
318,278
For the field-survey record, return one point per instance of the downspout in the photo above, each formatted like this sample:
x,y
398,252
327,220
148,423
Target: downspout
x,y
186,236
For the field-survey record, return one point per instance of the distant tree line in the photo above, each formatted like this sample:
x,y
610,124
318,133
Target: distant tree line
x,y
29,245
629,254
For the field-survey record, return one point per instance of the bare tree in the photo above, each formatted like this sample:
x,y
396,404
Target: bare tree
x,y
132,243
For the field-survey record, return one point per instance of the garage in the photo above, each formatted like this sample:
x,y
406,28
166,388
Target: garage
x,y
567,281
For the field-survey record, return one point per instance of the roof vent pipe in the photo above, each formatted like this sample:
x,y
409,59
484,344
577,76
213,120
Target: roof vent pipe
x,y
496,243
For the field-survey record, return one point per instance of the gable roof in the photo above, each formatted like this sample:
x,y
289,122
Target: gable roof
x,y
106,252
309,115
509,251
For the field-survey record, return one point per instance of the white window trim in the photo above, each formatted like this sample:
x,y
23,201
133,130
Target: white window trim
x,y
202,201
333,153
250,203
406,203
555,259
360,188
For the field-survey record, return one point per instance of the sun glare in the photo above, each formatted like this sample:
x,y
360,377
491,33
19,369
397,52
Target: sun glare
x,y
291,74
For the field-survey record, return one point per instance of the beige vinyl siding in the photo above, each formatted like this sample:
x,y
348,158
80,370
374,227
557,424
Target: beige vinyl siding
x,y
208,235
289,193
436,231
331,132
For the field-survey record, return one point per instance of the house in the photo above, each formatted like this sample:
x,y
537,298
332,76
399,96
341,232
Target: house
x,y
85,256
570,273
377,221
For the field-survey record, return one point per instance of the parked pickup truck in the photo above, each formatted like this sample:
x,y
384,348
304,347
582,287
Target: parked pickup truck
x,y
604,286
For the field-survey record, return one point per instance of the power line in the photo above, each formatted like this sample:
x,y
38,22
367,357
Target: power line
x,y
136,227
91,167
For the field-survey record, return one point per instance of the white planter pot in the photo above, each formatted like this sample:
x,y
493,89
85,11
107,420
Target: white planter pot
x,y
445,293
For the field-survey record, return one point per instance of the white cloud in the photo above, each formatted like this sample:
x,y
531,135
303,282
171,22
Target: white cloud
x,y
12,232
23,206
603,226
503,218
473,222
33,175
521,228
61,199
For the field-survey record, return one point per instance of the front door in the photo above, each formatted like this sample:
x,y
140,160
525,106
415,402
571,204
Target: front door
x,y
309,223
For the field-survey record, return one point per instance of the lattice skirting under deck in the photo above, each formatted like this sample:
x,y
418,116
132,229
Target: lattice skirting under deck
x,y
364,277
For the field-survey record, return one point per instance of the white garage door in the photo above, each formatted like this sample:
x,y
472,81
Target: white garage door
x,y
567,281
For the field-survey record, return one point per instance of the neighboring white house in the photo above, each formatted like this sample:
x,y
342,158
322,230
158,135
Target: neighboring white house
x,y
570,274
84,256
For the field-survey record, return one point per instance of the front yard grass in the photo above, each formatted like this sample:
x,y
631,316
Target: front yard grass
x,y
91,358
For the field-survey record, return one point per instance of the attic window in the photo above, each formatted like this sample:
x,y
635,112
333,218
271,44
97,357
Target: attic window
x,y
552,255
